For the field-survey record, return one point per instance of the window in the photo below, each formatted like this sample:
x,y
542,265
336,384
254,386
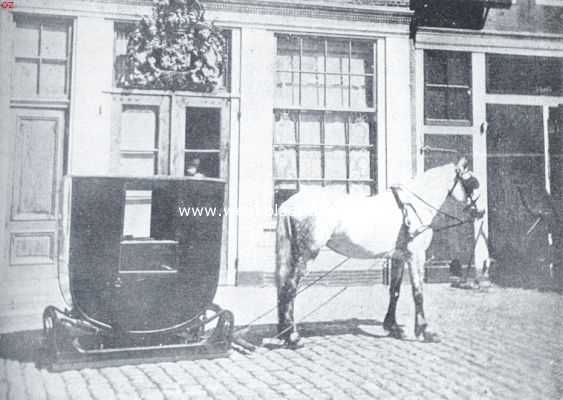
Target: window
x,y
510,74
42,53
139,141
121,37
447,87
324,113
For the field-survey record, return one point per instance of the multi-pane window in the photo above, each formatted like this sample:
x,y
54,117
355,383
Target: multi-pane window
x,y
42,58
447,87
324,115
138,150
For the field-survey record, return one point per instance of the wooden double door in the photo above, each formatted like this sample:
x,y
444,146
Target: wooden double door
x,y
525,177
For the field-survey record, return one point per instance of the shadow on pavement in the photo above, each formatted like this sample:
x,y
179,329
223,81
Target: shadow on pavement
x,y
253,337
20,346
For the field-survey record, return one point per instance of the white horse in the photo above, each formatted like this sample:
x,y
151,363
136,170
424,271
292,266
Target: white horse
x,y
394,224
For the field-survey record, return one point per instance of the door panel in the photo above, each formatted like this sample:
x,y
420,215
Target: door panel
x,y
555,132
516,181
36,179
457,242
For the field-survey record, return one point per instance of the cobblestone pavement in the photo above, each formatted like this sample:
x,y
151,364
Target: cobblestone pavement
x,y
501,344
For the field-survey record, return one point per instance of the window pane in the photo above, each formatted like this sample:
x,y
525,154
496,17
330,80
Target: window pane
x,y
137,164
285,163
203,128
359,164
312,90
53,79
202,165
54,41
310,132
285,128
335,164
310,164
508,74
359,130
25,79
288,53
337,89
138,129
459,103
459,72
335,129
313,55
27,39
362,58
287,88
463,144
361,91
435,67
447,94
337,61
121,39
435,103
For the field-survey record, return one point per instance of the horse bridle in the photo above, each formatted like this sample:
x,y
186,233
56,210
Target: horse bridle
x,y
468,191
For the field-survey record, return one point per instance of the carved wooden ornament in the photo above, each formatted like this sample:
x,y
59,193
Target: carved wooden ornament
x,y
175,49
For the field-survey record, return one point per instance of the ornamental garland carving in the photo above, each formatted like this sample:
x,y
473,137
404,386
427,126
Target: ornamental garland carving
x,y
175,49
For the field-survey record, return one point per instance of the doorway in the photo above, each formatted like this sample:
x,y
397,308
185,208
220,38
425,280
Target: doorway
x,y
518,172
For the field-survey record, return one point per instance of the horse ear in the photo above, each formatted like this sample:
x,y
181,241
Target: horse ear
x,y
462,164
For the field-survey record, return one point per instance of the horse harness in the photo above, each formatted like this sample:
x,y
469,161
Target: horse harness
x,y
408,208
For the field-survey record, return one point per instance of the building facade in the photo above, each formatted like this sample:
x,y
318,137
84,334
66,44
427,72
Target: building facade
x,y
321,93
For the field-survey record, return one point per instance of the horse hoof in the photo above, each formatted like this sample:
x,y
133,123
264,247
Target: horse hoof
x,y
293,341
396,332
431,337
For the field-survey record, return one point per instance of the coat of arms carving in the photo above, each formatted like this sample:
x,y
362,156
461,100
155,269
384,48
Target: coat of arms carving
x,y
175,49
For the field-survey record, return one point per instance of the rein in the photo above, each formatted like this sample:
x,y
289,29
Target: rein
x,y
424,227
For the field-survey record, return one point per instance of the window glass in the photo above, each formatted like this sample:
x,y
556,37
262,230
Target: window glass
x,y
41,58
139,133
324,115
447,87
510,74
203,144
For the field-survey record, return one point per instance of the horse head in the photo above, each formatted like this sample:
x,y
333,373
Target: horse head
x,y
465,189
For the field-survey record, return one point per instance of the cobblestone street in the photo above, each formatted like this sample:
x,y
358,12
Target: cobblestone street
x,y
499,343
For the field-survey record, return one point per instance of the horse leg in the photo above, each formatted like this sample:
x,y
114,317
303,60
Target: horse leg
x,y
287,290
416,265
390,323
288,274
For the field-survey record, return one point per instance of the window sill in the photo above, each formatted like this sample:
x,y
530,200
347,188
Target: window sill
x,y
447,122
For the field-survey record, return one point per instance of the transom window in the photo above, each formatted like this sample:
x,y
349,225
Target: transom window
x,y
324,132
447,87
42,54
524,75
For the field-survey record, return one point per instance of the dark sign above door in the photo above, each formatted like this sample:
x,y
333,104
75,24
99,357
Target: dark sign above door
x,y
461,14
175,49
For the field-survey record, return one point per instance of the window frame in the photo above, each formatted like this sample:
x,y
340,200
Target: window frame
x,y
39,59
447,88
296,111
